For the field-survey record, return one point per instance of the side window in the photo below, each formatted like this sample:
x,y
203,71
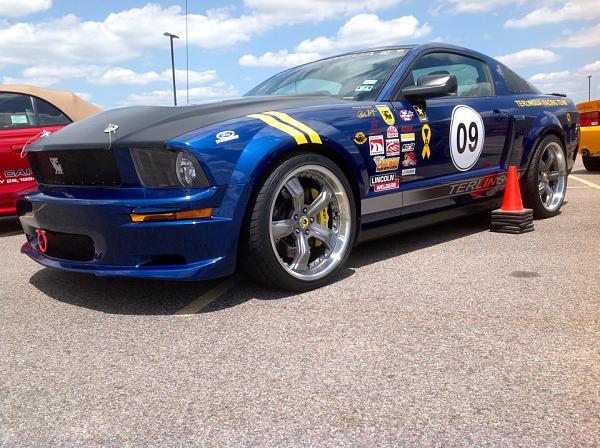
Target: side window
x,y
16,111
472,75
48,115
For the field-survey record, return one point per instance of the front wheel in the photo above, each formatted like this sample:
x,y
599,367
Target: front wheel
x,y
301,226
546,179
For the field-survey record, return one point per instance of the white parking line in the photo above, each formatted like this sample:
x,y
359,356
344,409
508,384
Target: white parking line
x,y
208,297
585,182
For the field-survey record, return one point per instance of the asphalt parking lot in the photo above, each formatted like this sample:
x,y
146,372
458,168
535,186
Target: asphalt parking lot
x,y
449,335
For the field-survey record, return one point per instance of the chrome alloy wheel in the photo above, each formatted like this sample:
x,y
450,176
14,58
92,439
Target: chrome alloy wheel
x,y
552,176
310,222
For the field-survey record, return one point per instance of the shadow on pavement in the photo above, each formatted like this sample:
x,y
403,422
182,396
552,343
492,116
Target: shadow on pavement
x,y
154,297
10,226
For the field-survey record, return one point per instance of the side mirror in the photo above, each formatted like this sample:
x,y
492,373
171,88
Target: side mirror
x,y
430,86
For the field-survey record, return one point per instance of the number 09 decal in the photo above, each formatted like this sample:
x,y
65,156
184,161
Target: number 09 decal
x,y
467,135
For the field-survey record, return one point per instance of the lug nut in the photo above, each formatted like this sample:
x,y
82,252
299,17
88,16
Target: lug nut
x,y
306,232
296,217
297,230
312,219
304,210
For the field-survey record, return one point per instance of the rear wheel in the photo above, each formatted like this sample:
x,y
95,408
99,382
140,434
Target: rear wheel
x,y
591,163
301,225
546,179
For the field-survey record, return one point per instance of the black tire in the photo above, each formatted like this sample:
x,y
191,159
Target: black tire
x,y
591,163
531,194
257,255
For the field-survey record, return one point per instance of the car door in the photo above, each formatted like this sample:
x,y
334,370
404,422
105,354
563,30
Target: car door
x,y
454,137
22,119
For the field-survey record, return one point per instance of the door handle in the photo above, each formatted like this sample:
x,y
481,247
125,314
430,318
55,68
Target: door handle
x,y
498,115
17,148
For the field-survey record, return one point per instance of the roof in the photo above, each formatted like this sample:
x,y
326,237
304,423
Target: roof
x,y
70,104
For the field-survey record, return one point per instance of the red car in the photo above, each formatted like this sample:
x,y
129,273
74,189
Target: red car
x,y
25,112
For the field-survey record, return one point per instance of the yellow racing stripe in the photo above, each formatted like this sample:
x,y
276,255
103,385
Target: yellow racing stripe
x,y
312,134
298,136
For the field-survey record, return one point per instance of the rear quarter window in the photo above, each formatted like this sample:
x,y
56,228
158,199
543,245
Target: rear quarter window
x,y
514,83
48,115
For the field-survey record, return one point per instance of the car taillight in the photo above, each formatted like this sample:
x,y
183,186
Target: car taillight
x,y
589,119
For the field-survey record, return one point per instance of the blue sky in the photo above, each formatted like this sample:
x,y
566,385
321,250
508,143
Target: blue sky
x,y
114,53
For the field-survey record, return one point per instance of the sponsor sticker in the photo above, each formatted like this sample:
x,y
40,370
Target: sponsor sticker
x,y
426,135
541,102
225,136
409,137
392,147
385,182
364,88
407,147
568,117
392,132
409,171
364,112
406,128
386,114
376,145
410,159
360,138
420,113
370,81
406,115
383,164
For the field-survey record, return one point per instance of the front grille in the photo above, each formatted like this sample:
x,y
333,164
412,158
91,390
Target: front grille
x,y
67,246
84,167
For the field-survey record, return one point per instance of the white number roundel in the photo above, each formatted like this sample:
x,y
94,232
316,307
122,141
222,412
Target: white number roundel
x,y
467,134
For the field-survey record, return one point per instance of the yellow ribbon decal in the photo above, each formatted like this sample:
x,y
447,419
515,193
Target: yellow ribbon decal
x,y
426,134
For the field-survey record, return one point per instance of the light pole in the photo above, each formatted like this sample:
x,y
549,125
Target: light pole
x,y
171,37
589,87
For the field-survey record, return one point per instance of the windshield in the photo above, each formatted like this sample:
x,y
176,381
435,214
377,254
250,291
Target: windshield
x,y
357,76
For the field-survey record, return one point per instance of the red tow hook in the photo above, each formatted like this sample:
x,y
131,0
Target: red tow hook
x,y
42,240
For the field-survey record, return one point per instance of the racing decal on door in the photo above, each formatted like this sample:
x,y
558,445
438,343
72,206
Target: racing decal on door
x,y
386,114
467,135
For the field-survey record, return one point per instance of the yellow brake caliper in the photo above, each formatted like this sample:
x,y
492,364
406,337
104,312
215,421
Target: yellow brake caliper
x,y
322,216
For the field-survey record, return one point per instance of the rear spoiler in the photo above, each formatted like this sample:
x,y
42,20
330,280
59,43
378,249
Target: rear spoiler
x,y
564,95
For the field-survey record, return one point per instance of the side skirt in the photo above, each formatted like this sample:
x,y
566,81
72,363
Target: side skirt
x,y
405,224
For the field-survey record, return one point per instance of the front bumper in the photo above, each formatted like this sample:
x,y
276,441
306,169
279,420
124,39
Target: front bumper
x,y
176,250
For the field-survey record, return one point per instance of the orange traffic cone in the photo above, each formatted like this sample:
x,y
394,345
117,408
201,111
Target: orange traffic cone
x,y
511,217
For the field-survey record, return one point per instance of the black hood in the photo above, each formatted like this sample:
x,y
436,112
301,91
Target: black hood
x,y
152,125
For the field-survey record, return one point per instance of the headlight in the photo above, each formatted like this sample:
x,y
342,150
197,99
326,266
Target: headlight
x,y
159,167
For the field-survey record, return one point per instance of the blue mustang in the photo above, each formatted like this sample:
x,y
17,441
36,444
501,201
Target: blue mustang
x,y
287,179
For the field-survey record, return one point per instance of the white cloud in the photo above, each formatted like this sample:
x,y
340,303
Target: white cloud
x,y
121,36
573,83
46,75
314,10
459,6
84,96
356,32
217,91
583,38
19,8
550,77
528,57
281,58
570,10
